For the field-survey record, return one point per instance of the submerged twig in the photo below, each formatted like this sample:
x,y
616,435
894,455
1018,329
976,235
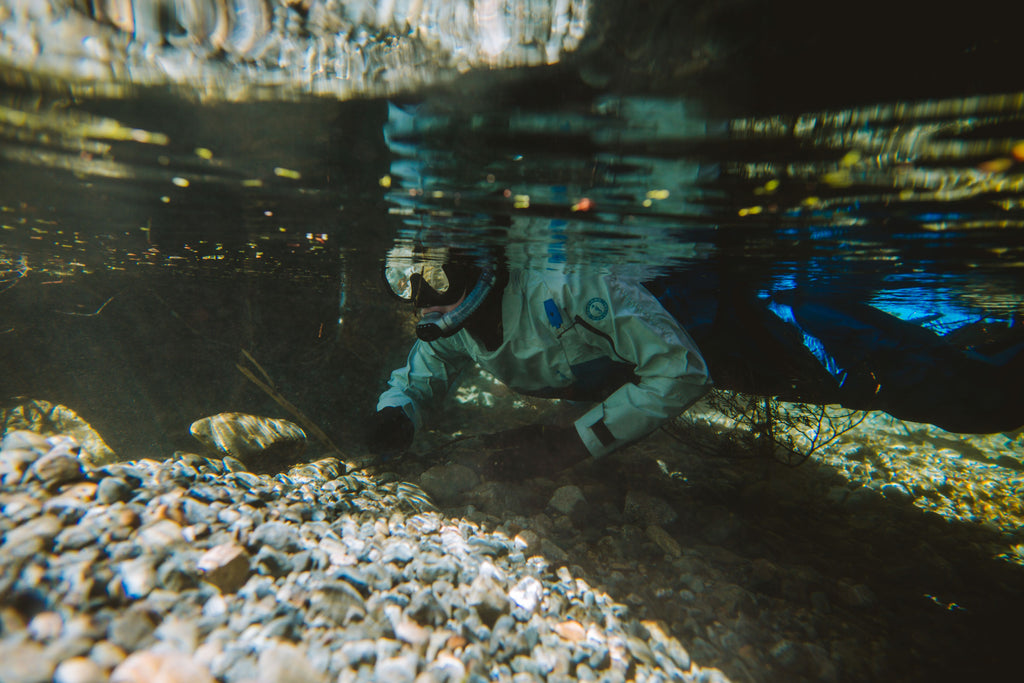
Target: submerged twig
x,y
88,315
248,356
269,388
434,453
18,275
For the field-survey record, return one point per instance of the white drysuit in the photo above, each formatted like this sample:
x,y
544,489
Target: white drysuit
x,y
566,336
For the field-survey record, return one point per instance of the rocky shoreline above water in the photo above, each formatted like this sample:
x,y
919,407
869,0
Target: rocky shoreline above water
x,y
656,564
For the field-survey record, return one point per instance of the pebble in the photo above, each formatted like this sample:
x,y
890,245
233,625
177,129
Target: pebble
x,y
159,534
277,535
401,669
226,566
106,654
486,595
572,631
132,629
646,509
138,576
56,467
158,667
527,594
896,492
113,489
42,529
79,670
567,499
257,441
45,626
283,662
22,439
25,662
196,569
855,595
664,541
448,482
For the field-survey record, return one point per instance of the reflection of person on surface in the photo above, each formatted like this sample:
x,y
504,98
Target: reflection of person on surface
x,y
605,340
929,360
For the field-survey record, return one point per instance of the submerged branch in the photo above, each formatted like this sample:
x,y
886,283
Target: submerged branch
x,y
88,315
269,388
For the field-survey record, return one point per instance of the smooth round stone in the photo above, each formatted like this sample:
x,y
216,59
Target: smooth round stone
x,y
138,576
177,574
196,512
131,630
106,654
25,662
148,667
400,669
226,566
527,594
43,528
259,442
24,439
77,537
233,464
46,626
337,601
79,670
566,499
271,562
448,668
160,534
448,483
247,479
399,552
286,663
647,509
56,468
896,492
112,490
15,461
277,535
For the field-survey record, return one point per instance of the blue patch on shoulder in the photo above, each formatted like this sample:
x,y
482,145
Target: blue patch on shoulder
x,y
554,316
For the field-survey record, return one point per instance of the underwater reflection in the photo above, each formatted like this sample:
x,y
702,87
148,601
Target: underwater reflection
x,y
907,210
926,191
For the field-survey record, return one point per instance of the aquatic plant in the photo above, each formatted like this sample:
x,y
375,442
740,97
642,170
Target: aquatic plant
x,y
743,425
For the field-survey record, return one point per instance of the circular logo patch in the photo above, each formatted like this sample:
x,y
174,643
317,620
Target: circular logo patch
x,y
597,308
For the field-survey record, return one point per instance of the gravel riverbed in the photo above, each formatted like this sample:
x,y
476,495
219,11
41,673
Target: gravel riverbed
x,y
892,556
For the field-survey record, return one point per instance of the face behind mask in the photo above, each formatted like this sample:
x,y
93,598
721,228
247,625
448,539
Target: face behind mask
x,y
432,278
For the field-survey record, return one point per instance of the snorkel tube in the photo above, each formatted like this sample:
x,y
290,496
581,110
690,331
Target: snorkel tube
x,y
435,325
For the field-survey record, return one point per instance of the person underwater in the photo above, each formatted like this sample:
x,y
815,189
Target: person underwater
x,y
604,340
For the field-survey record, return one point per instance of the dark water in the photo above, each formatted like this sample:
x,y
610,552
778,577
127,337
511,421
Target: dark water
x,y
148,239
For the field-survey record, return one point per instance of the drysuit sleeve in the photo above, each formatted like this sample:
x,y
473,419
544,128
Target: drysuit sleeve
x,y
630,325
426,377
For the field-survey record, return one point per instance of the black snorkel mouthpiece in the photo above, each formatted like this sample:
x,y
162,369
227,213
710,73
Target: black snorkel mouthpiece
x,y
435,325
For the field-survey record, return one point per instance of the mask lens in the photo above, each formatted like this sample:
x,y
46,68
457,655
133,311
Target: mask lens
x,y
404,276
435,277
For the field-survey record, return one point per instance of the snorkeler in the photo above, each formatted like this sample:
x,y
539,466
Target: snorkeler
x,y
621,345
603,340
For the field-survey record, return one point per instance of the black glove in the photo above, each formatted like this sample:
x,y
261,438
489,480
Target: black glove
x,y
390,431
533,451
